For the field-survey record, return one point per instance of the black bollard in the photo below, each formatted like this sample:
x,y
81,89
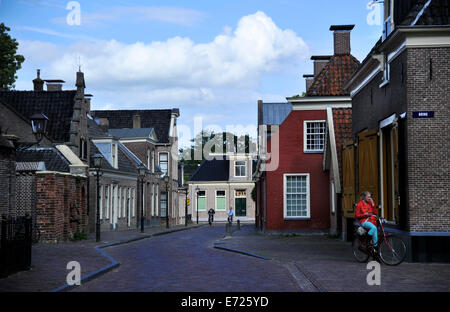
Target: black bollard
x,y
238,224
227,229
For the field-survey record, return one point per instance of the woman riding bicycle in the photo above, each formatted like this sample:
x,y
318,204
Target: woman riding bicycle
x,y
366,213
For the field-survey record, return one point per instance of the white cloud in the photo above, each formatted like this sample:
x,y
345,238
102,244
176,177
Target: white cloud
x,y
236,60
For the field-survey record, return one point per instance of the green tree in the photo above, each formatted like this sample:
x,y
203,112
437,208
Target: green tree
x,y
10,62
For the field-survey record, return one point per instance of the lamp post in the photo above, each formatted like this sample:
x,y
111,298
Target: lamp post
x,y
39,125
166,180
197,189
141,171
98,158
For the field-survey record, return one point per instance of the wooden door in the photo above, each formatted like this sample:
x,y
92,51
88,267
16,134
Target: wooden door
x,y
348,179
368,164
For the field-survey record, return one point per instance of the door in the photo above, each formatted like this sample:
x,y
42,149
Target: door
x,y
348,180
368,164
241,207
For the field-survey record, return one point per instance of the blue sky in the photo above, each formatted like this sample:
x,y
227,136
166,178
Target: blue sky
x,y
210,59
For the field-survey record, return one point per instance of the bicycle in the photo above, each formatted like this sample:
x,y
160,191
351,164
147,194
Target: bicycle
x,y
210,219
391,248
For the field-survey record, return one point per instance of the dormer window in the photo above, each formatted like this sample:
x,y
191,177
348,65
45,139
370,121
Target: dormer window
x,y
109,150
239,169
388,21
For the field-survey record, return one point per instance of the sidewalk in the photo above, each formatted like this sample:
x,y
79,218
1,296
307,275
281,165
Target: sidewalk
x,y
327,264
49,261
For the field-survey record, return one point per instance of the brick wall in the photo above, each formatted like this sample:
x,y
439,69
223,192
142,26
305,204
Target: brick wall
x,y
7,181
61,199
429,140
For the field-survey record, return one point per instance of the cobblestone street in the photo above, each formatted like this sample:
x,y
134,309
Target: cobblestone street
x,y
187,261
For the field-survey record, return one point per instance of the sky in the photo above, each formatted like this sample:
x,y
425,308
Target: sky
x,y
211,59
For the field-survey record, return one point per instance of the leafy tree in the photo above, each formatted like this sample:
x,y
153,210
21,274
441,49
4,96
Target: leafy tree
x,y
10,62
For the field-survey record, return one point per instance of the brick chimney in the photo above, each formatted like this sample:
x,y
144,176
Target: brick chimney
x,y
319,62
136,121
341,35
309,81
38,83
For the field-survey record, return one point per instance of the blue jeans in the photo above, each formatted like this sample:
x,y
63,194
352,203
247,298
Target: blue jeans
x,y
372,231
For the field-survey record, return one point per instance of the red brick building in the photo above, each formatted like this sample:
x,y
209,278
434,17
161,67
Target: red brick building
x,y
293,189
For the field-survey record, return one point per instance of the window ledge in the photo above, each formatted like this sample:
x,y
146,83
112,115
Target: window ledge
x,y
313,152
296,218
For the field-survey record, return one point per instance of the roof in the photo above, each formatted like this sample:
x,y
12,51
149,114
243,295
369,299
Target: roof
x,y
331,79
275,113
56,105
342,119
132,132
157,119
212,170
52,158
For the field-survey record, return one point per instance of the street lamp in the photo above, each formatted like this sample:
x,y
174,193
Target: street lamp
x,y
39,125
142,171
197,189
166,180
98,158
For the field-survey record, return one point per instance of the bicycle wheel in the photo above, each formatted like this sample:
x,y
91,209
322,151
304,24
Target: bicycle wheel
x,y
392,250
359,255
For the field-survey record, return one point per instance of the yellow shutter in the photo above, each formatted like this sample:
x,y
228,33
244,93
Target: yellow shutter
x,y
368,164
348,179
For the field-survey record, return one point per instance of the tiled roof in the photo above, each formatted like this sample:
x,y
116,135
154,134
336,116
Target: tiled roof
x,y
331,79
131,132
212,170
53,159
342,120
159,119
56,105
275,113
124,161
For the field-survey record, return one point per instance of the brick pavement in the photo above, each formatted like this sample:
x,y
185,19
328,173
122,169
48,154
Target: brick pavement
x,y
188,261
329,263
49,261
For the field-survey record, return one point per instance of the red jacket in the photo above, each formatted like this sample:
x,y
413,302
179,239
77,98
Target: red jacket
x,y
362,208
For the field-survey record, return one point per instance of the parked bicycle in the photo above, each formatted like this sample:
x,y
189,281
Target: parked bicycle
x,y
391,248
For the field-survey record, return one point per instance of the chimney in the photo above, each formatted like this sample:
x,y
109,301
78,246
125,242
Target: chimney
x,y
136,121
80,82
309,81
104,124
54,85
319,63
341,38
38,83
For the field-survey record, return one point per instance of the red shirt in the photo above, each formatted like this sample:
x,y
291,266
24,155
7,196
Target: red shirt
x,y
362,208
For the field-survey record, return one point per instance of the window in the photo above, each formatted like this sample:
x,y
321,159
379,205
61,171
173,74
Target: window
x,y
201,201
220,201
114,156
153,199
314,136
133,203
153,161
106,202
164,162
239,169
148,159
163,204
156,199
82,149
119,203
296,196
101,202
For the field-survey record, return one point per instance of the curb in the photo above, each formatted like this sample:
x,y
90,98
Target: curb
x,y
114,263
241,252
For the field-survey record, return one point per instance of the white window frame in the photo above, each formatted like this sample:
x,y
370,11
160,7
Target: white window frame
x,y
245,168
215,200
133,203
159,161
153,161
305,136
308,197
153,199
196,200
107,201
119,202
161,200
158,211
101,202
